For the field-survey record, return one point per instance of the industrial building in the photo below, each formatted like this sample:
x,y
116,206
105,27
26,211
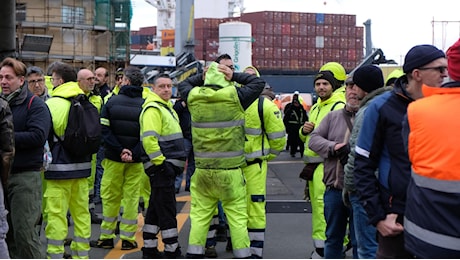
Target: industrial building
x,y
84,33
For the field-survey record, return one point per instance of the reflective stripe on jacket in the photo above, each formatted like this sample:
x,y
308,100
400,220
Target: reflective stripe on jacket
x,y
63,165
274,138
217,127
432,207
161,135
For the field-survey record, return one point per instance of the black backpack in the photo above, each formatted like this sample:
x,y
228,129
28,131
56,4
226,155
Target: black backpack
x,y
82,135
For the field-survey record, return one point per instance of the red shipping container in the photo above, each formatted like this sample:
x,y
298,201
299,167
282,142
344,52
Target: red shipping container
x,y
335,31
327,54
311,18
258,28
328,42
286,17
295,29
343,31
258,40
303,42
294,64
352,20
277,17
285,64
277,29
212,44
336,19
351,31
319,54
268,63
303,18
319,30
344,20
202,23
269,28
167,43
359,32
285,41
295,18
351,43
327,30
199,55
268,40
335,53
343,43
285,29
343,54
258,63
257,17
150,30
311,53
277,41
294,42
259,51
285,54
276,63
303,29
311,30
294,52
335,42
328,19
268,51
351,54
277,53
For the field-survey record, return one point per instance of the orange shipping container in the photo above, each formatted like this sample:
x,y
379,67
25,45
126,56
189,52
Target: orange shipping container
x,y
167,35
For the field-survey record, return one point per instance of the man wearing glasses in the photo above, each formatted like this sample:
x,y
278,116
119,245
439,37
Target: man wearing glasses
x,y
36,82
380,146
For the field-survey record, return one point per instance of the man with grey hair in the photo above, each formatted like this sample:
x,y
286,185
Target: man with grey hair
x,y
122,163
36,82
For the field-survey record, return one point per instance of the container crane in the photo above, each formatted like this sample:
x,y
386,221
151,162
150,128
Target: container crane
x,y
166,11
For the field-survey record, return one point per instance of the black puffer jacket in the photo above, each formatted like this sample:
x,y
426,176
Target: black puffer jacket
x,y
120,123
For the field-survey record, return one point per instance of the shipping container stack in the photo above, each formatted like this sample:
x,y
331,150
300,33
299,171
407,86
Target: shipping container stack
x,y
207,37
292,41
282,41
140,39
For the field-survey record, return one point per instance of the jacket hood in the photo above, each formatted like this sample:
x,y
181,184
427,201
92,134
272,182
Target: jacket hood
x,y
254,68
153,97
67,90
400,88
131,91
214,77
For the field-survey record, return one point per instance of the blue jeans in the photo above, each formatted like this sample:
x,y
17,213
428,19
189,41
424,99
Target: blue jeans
x,y
365,233
337,217
190,165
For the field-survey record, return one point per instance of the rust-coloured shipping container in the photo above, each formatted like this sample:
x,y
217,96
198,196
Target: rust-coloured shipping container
x,y
290,40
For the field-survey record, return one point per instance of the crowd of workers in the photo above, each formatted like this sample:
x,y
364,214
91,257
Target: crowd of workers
x,y
378,179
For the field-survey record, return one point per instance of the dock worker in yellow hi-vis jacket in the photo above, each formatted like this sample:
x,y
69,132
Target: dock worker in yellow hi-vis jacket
x,y
217,109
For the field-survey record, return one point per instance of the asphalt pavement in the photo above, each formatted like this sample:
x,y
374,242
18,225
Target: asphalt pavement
x,y
288,232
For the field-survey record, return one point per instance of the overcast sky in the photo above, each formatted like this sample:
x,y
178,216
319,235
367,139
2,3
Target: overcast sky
x,y
396,25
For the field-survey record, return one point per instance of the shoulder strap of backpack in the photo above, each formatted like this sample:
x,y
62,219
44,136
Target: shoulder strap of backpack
x,y
336,103
30,102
